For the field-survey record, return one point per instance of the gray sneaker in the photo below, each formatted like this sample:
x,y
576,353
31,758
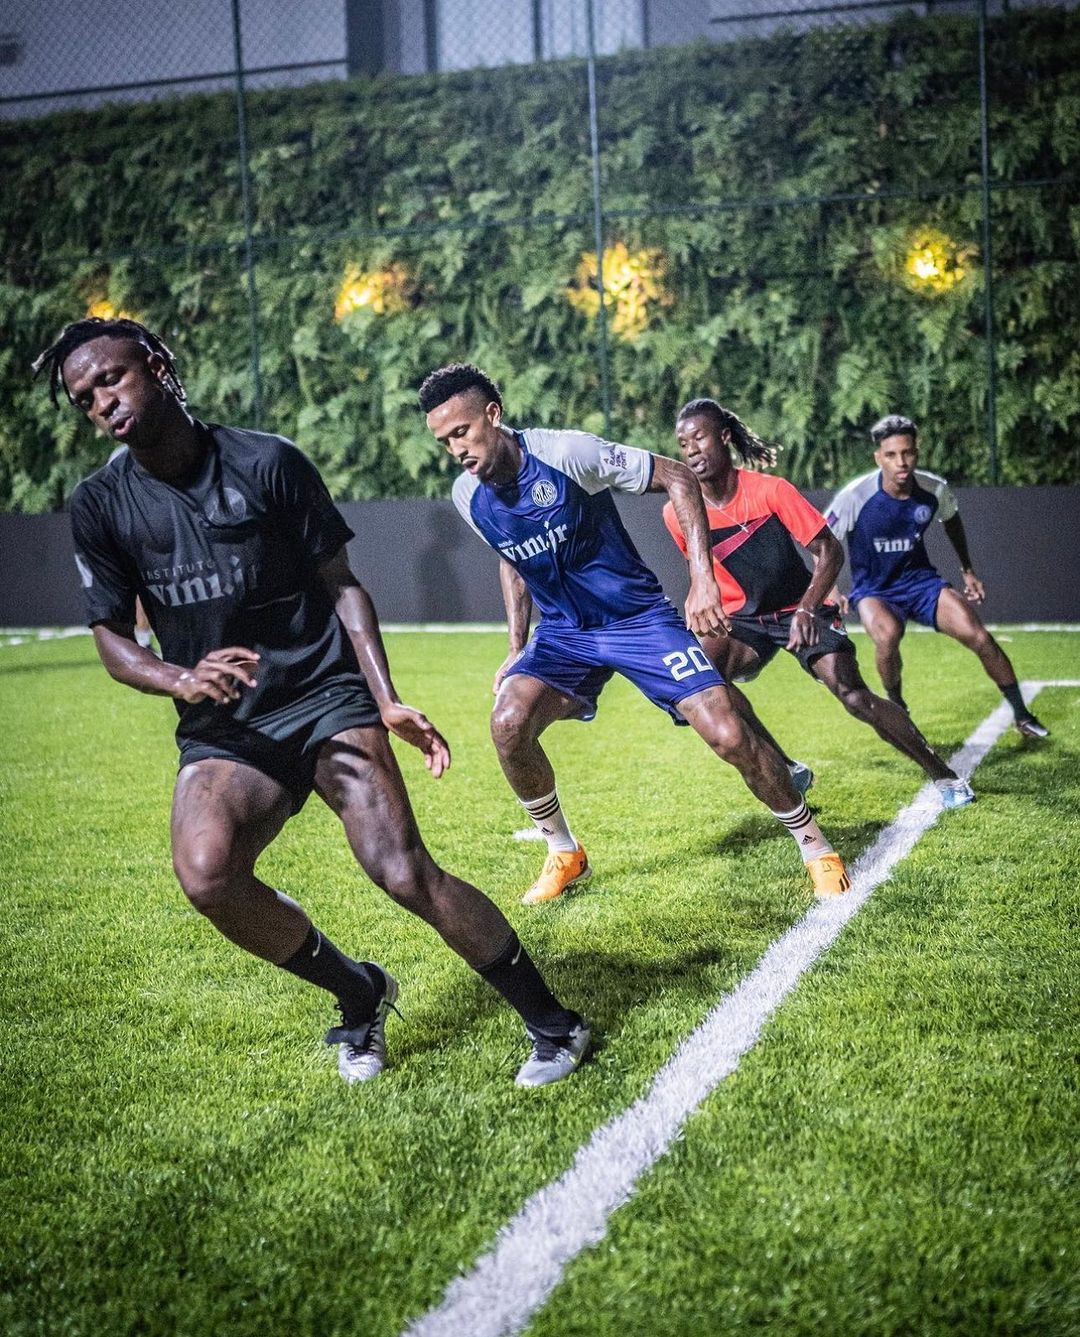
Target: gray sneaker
x,y
1030,727
553,1059
363,1040
802,777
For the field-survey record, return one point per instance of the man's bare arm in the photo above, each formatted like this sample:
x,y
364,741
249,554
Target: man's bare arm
x,y
704,613
218,676
353,605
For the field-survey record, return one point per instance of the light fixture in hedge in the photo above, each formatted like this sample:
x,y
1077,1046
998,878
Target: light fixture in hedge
x,y
934,263
104,310
633,287
383,291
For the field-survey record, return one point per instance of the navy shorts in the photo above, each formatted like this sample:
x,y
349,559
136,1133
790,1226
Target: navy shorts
x,y
766,633
915,599
654,650
285,745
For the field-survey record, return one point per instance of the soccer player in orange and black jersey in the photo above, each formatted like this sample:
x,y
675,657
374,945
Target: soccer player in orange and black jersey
x,y
772,600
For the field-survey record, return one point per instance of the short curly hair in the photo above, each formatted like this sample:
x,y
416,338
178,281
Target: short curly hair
x,y
893,424
455,379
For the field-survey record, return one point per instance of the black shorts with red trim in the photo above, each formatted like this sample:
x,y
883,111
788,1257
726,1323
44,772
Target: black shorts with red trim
x,y
766,633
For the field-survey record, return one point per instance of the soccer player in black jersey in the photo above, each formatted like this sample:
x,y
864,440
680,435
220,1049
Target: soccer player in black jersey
x,y
271,649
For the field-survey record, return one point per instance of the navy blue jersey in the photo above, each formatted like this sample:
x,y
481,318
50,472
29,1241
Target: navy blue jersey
x,y
885,534
557,525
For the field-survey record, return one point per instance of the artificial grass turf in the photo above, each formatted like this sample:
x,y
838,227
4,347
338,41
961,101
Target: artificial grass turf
x,y
180,1156
897,1155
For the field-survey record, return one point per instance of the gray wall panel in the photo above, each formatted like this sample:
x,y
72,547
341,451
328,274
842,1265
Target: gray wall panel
x,y
422,564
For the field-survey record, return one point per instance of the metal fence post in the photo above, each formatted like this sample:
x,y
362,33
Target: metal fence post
x,y
988,256
598,219
245,195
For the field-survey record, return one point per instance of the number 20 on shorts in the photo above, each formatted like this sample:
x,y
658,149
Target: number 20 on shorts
x,y
684,665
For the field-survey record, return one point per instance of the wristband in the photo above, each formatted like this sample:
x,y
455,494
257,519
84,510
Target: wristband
x,y
808,611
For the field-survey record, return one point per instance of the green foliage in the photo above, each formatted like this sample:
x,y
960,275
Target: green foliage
x,y
747,164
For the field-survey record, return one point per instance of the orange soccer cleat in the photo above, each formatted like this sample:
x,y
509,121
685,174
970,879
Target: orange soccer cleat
x,y
828,875
562,868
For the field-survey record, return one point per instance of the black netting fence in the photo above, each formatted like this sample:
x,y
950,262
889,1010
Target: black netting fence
x,y
817,214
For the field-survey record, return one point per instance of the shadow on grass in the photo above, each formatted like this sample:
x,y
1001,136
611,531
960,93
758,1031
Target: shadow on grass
x,y
1029,768
609,988
51,664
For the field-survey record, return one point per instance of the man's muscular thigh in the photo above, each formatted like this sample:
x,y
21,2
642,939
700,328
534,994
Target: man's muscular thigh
x,y
733,659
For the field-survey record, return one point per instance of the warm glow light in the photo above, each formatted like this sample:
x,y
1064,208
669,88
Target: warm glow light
x,y
383,291
632,282
105,310
935,262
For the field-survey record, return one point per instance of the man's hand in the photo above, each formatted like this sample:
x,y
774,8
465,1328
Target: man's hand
x,y
974,590
502,670
804,630
415,728
704,612
218,676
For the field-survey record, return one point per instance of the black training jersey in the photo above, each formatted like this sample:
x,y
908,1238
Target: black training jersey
x,y
231,557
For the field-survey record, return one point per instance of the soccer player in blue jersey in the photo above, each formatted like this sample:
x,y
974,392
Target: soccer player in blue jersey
x,y
542,499
884,515
271,651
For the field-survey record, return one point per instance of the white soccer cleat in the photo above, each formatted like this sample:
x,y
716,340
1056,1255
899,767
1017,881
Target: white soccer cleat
x,y
553,1059
362,1054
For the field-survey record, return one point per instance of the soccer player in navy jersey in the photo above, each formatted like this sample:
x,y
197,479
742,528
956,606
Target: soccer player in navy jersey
x,y
542,499
271,651
773,601
884,515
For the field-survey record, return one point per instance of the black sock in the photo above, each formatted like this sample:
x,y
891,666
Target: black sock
x,y
894,696
521,984
357,983
1012,695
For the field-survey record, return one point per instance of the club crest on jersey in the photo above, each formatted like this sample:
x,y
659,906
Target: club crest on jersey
x,y
922,514
544,493
227,509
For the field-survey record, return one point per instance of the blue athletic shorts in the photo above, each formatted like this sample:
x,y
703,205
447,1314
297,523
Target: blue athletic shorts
x,y
916,598
654,650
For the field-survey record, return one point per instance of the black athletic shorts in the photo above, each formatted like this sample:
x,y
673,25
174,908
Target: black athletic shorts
x,y
766,633
285,745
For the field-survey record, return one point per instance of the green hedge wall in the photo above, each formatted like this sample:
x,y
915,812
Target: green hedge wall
x,y
735,161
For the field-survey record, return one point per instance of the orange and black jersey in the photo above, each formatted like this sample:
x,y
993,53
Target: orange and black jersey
x,y
757,565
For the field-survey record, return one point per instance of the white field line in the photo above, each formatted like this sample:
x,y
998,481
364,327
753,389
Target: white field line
x,y
506,1286
20,635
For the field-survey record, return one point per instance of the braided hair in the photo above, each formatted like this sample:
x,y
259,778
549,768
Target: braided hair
x,y
80,332
751,447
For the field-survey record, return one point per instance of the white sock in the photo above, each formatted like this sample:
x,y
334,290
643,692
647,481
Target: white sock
x,y
806,833
550,822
